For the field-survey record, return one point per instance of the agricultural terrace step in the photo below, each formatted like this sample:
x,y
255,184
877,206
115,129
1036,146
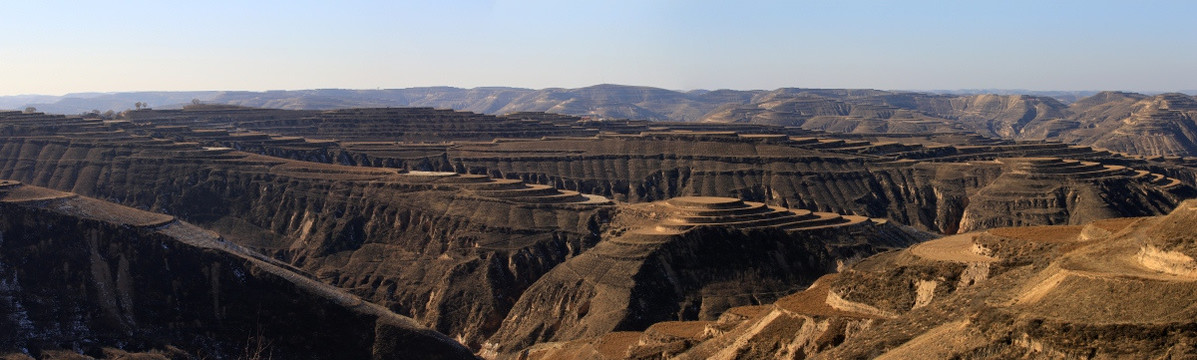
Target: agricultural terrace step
x,y
748,208
706,202
819,219
735,218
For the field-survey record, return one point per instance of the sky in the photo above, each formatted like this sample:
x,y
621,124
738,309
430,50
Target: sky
x,y
57,47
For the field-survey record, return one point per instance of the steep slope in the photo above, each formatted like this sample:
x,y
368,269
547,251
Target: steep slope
x,y
80,274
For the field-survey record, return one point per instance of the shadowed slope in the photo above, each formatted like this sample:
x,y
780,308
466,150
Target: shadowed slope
x,y
81,273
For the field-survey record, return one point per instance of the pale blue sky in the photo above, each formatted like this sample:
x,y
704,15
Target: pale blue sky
x,y
55,47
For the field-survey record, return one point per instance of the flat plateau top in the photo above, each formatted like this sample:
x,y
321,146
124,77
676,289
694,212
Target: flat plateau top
x,y
1029,160
705,201
431,173
956,248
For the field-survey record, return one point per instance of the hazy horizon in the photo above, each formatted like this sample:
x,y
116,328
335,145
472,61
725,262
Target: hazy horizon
x,y
985,90
918,46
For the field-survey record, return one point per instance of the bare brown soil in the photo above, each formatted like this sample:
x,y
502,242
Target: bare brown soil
x,y
1044,233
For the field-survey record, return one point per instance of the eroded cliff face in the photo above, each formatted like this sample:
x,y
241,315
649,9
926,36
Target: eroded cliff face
x,y
643,161
958,190
929,196
82,275
920,180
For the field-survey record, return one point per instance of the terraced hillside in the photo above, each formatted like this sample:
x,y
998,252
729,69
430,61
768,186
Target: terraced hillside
x,y
472,224
923,186
454,251
869,175
706,255
1077,291
1033,191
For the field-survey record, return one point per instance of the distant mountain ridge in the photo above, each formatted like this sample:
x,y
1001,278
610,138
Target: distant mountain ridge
x,y
653,103
611,101
1160,124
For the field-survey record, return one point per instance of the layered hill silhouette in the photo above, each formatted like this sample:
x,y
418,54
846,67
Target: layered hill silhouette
x,y
505,232
1148,125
